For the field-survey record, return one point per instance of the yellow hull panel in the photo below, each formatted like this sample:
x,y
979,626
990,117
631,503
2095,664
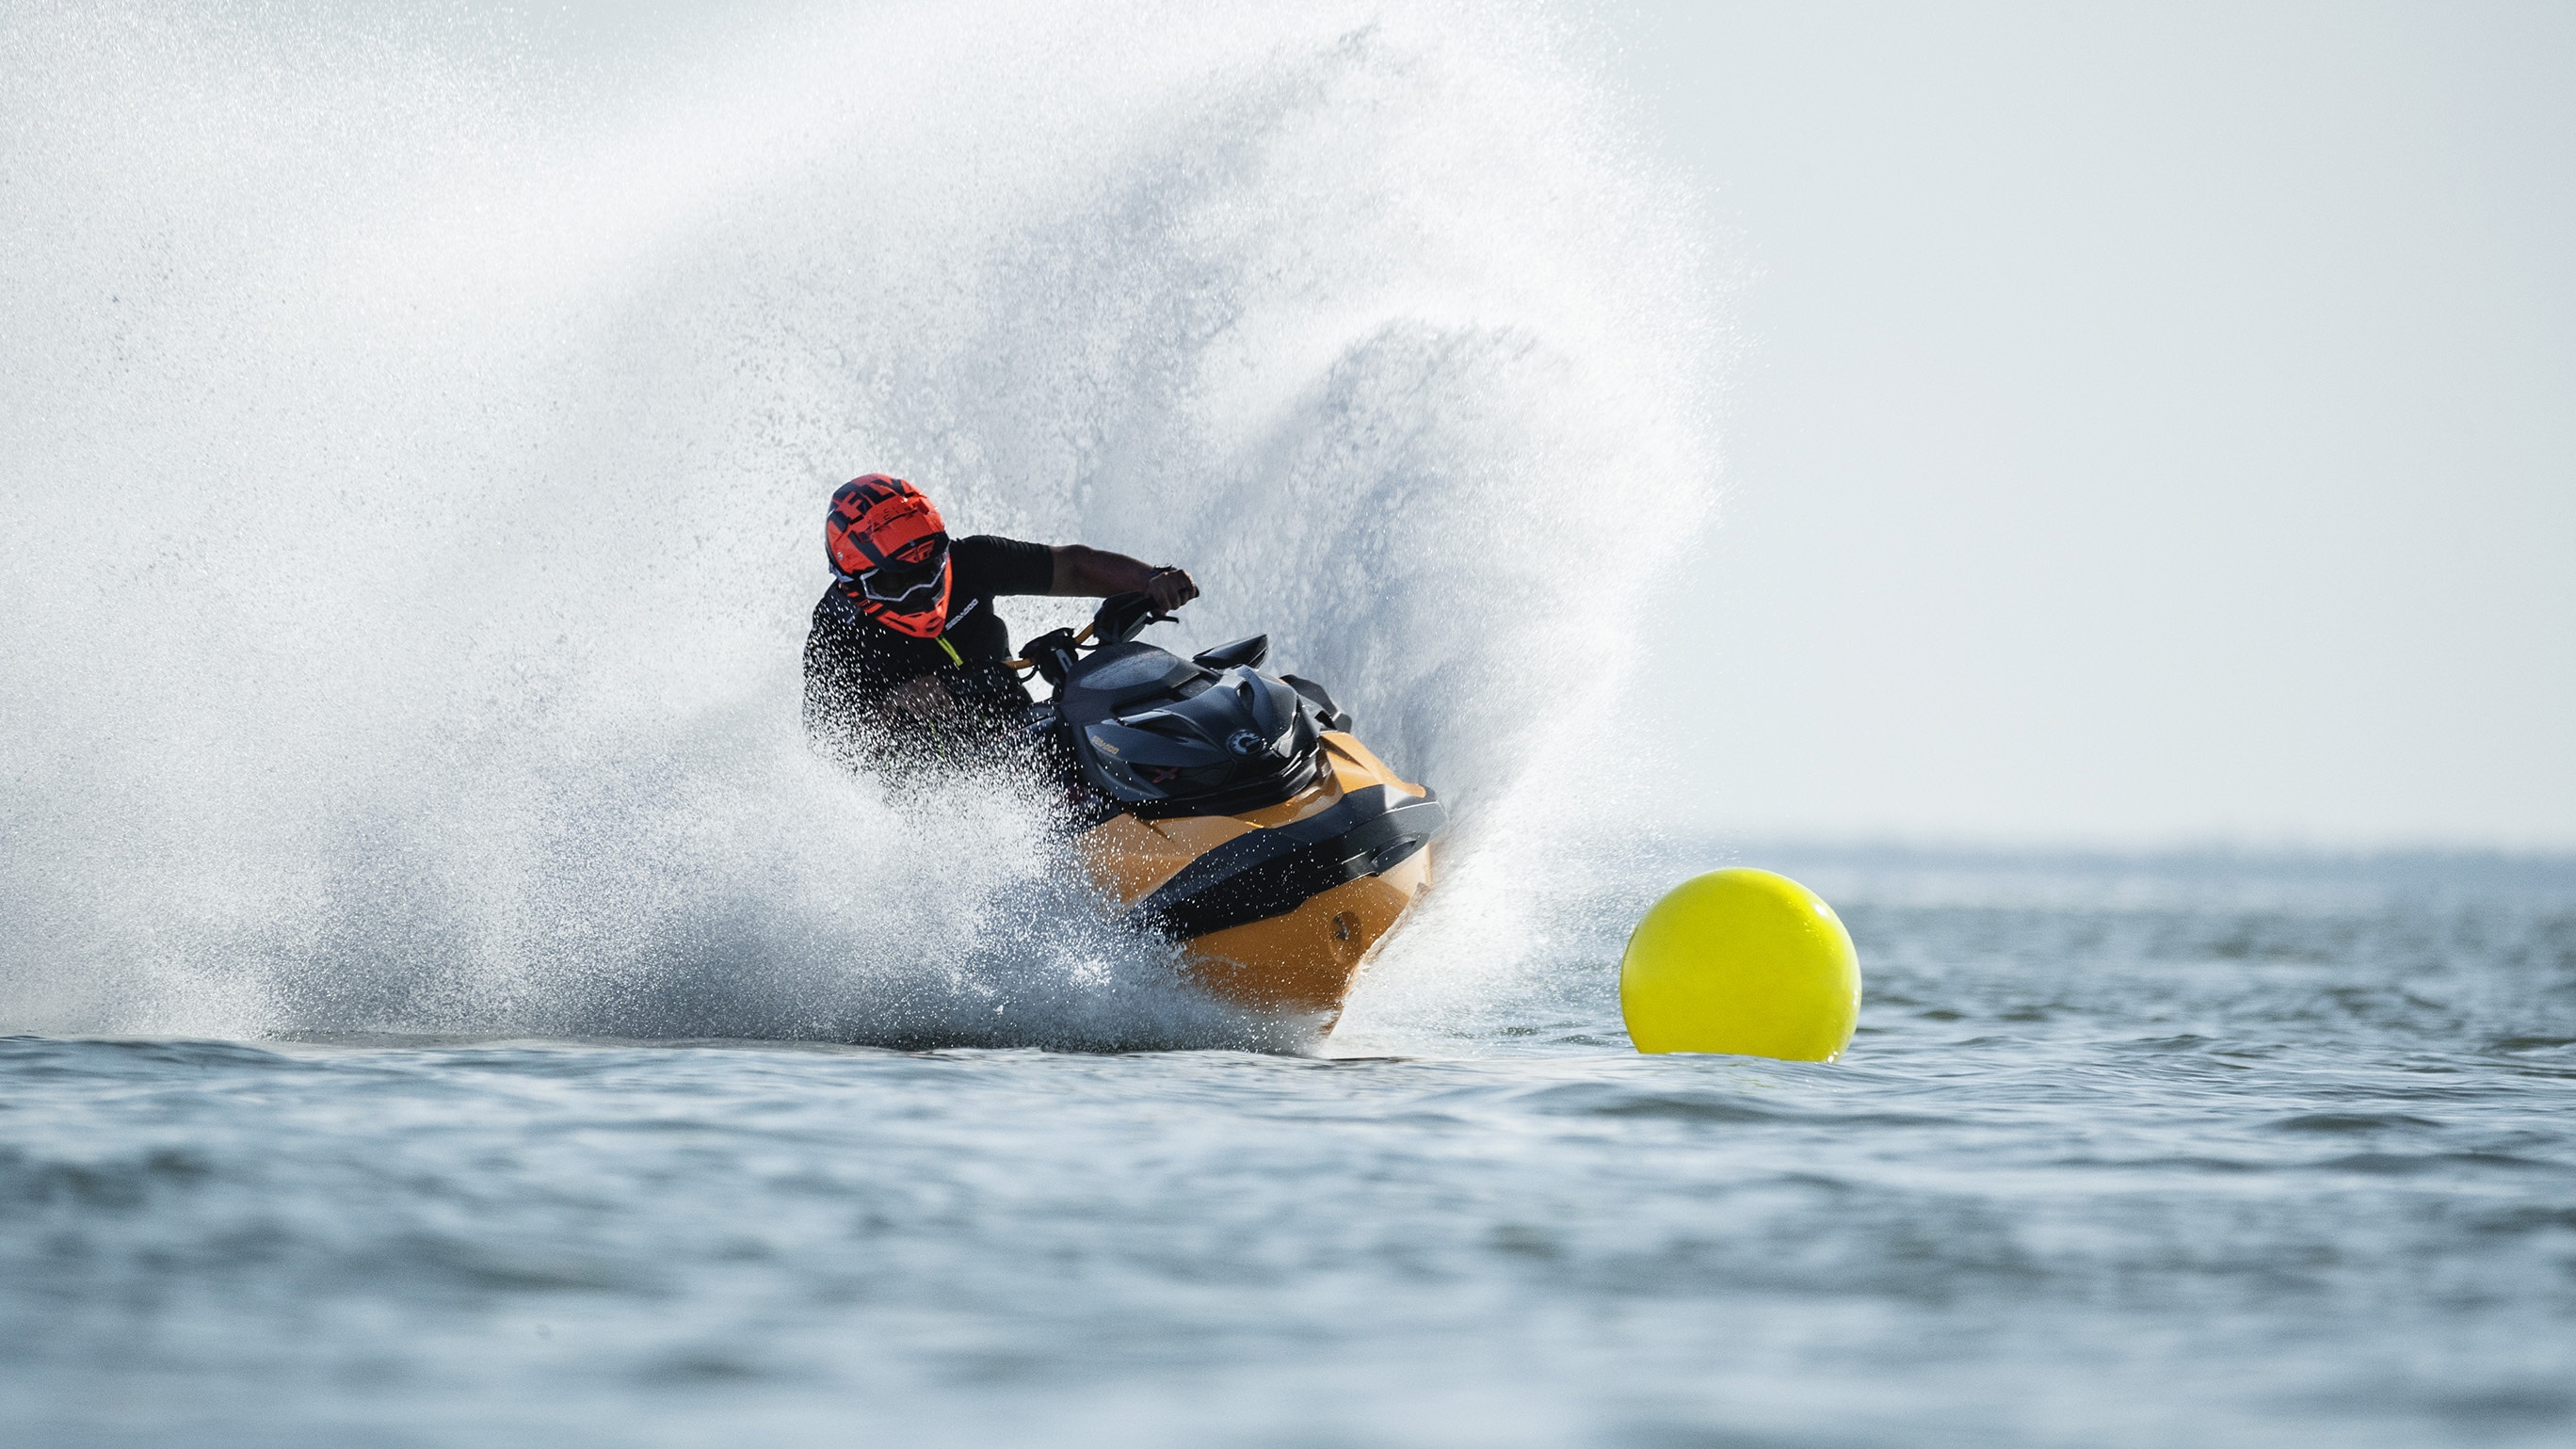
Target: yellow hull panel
x,y
1306,960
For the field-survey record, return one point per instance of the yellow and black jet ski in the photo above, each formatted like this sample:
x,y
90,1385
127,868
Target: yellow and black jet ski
x,y
1237,813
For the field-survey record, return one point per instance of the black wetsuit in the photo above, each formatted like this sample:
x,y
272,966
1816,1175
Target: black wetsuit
x,y
852,663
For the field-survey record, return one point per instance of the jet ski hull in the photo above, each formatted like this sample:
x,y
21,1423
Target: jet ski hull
x,y
1280,908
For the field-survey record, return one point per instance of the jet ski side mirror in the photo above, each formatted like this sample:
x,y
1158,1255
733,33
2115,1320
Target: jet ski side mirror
x,y
1326,714
1241,654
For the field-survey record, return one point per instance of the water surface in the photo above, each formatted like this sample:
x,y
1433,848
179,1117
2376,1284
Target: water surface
x,y
2219,1152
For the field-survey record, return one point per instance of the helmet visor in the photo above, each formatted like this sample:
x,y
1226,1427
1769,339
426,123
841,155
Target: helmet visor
x,y
911,575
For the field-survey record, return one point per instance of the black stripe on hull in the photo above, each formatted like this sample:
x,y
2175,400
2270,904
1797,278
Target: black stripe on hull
x,y
1266,873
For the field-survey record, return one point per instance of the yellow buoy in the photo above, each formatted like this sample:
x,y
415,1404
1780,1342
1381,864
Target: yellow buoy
x,y
1741,961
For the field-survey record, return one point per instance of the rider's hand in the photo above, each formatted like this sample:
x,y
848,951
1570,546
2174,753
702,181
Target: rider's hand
x,y
1170,588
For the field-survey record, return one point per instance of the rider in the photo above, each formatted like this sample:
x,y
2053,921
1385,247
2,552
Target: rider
x,y
904,659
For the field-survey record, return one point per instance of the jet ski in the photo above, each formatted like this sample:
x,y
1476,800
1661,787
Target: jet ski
x,y
1234,812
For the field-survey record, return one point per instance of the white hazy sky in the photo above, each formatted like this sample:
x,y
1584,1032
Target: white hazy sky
x,y
2158,421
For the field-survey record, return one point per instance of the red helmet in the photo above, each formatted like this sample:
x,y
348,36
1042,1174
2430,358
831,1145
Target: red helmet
x,y
886,542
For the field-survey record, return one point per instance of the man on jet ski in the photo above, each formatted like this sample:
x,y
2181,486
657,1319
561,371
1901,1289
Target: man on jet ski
x,y
903,664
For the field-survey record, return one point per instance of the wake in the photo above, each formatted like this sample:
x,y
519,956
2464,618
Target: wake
x,y
420,430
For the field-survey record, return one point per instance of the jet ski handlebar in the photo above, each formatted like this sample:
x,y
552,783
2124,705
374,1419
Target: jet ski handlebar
x,y
1121,617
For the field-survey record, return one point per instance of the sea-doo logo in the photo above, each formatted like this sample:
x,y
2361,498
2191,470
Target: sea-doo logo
x,y
1246,743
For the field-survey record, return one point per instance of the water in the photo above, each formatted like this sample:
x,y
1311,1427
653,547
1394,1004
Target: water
x,y
2228,1152
441,1000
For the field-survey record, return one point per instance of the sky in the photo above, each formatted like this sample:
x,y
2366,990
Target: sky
x,y
2153,424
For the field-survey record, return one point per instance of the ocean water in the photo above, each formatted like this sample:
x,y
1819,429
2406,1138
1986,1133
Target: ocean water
x,y
2217,1151
442,1000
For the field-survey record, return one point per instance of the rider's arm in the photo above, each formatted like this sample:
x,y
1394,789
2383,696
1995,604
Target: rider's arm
x,y
1094,573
